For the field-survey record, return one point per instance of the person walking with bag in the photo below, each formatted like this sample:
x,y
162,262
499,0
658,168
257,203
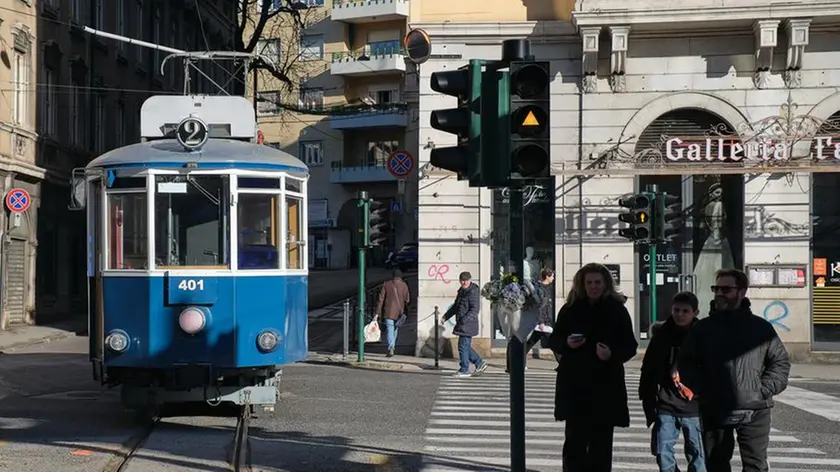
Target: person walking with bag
x,y
594,337
393,301
546,322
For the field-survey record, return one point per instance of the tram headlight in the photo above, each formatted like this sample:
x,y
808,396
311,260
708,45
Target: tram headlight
x,y
268,340
117,340
192,320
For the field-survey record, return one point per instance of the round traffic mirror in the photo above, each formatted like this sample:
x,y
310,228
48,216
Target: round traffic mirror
x,y
418,46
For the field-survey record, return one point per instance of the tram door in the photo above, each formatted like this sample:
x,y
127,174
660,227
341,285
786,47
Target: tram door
x,y
96,316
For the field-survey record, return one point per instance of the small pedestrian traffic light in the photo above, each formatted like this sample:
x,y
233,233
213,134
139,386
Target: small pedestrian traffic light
x,y
530,123
377,223
668,217
639,216
463,121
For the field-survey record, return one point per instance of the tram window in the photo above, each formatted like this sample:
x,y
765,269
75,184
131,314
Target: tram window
x,y
295,233
293,185
127,231
259,231
128,182
192,224
256,182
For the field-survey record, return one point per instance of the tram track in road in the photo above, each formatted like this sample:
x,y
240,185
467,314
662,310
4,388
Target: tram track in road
x,y
130,457
127,450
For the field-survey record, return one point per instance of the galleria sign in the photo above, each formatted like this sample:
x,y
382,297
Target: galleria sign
x,y
732,149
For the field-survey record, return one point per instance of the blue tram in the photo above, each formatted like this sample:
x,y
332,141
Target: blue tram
x,y
197,259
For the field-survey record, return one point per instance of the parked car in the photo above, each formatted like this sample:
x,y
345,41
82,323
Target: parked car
x,y
405,258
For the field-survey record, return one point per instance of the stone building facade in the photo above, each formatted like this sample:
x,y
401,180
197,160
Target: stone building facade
x,y
733,109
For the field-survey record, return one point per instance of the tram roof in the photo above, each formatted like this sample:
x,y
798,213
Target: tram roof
x,y
215,154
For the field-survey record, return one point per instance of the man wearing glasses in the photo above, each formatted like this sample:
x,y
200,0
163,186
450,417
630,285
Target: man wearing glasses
x,y
735,363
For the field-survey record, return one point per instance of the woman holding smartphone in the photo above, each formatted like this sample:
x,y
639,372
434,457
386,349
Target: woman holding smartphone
x,y
593,336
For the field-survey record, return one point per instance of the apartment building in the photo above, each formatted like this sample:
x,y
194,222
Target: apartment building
x,y
344,115
694,98
70,97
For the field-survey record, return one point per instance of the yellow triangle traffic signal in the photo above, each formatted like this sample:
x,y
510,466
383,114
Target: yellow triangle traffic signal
x,y
530,119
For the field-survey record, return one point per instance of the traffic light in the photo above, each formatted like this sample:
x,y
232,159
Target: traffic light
x,y
464,121
638,216
530,124
667,217
377,223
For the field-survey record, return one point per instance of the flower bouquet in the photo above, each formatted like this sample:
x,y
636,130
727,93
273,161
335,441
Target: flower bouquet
x,y
515,304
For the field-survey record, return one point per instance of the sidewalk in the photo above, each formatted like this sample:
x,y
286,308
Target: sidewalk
x,y
25,335
418,364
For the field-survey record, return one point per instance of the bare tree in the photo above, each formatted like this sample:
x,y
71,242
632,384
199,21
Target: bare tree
x,y
265,23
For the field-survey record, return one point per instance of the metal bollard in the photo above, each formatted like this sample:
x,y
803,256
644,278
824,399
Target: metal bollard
x,y
437,338
346,350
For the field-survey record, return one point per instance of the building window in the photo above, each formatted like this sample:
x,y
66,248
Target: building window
x,y
100,117
139,33
312,47
378,152
270,50
385,96
312,153
311,98
119,132
21,85
157,33
78,11
268,103
49,111
120,15
77,114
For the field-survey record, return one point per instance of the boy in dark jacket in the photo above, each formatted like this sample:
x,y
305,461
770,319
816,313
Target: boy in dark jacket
x,y
668,404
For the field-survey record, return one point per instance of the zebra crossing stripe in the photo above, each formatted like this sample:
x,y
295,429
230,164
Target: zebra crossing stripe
x,y
469,429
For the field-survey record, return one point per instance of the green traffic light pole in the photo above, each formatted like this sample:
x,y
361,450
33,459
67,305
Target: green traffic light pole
x,y
652,191
363,205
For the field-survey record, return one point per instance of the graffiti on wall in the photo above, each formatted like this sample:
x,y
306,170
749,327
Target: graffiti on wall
x,y
439,272
775,312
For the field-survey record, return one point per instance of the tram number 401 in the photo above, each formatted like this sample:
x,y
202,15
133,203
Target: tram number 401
x,y
191,285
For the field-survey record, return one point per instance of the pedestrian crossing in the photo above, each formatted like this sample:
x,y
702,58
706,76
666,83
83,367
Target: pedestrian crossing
x,y
469,430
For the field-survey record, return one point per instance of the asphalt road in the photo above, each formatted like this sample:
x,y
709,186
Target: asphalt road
x,y
329,418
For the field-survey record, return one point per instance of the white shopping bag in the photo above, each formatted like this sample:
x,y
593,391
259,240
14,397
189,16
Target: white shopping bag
x,y
372,332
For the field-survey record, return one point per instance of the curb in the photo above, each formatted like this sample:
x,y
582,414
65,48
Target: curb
x,y
366,364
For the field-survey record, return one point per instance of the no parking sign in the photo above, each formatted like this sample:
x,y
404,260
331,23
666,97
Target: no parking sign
x,y
18,200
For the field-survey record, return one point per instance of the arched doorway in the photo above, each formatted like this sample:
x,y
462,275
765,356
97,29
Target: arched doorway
x,y
825,245
713,209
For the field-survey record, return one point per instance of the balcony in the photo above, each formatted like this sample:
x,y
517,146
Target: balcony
x,y
368,11
359,174
385,57
388,116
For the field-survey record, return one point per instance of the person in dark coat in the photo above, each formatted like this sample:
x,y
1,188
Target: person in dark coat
x,y
735,363
670,406
466,310
546,320
594,337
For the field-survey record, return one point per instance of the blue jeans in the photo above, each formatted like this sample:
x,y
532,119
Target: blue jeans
x,y
467,354
391,332
666,432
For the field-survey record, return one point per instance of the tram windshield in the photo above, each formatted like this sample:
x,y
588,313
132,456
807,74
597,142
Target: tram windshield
x,y
195,226
191,221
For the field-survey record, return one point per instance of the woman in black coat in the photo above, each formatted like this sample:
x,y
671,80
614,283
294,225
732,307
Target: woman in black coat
x,y
593,336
